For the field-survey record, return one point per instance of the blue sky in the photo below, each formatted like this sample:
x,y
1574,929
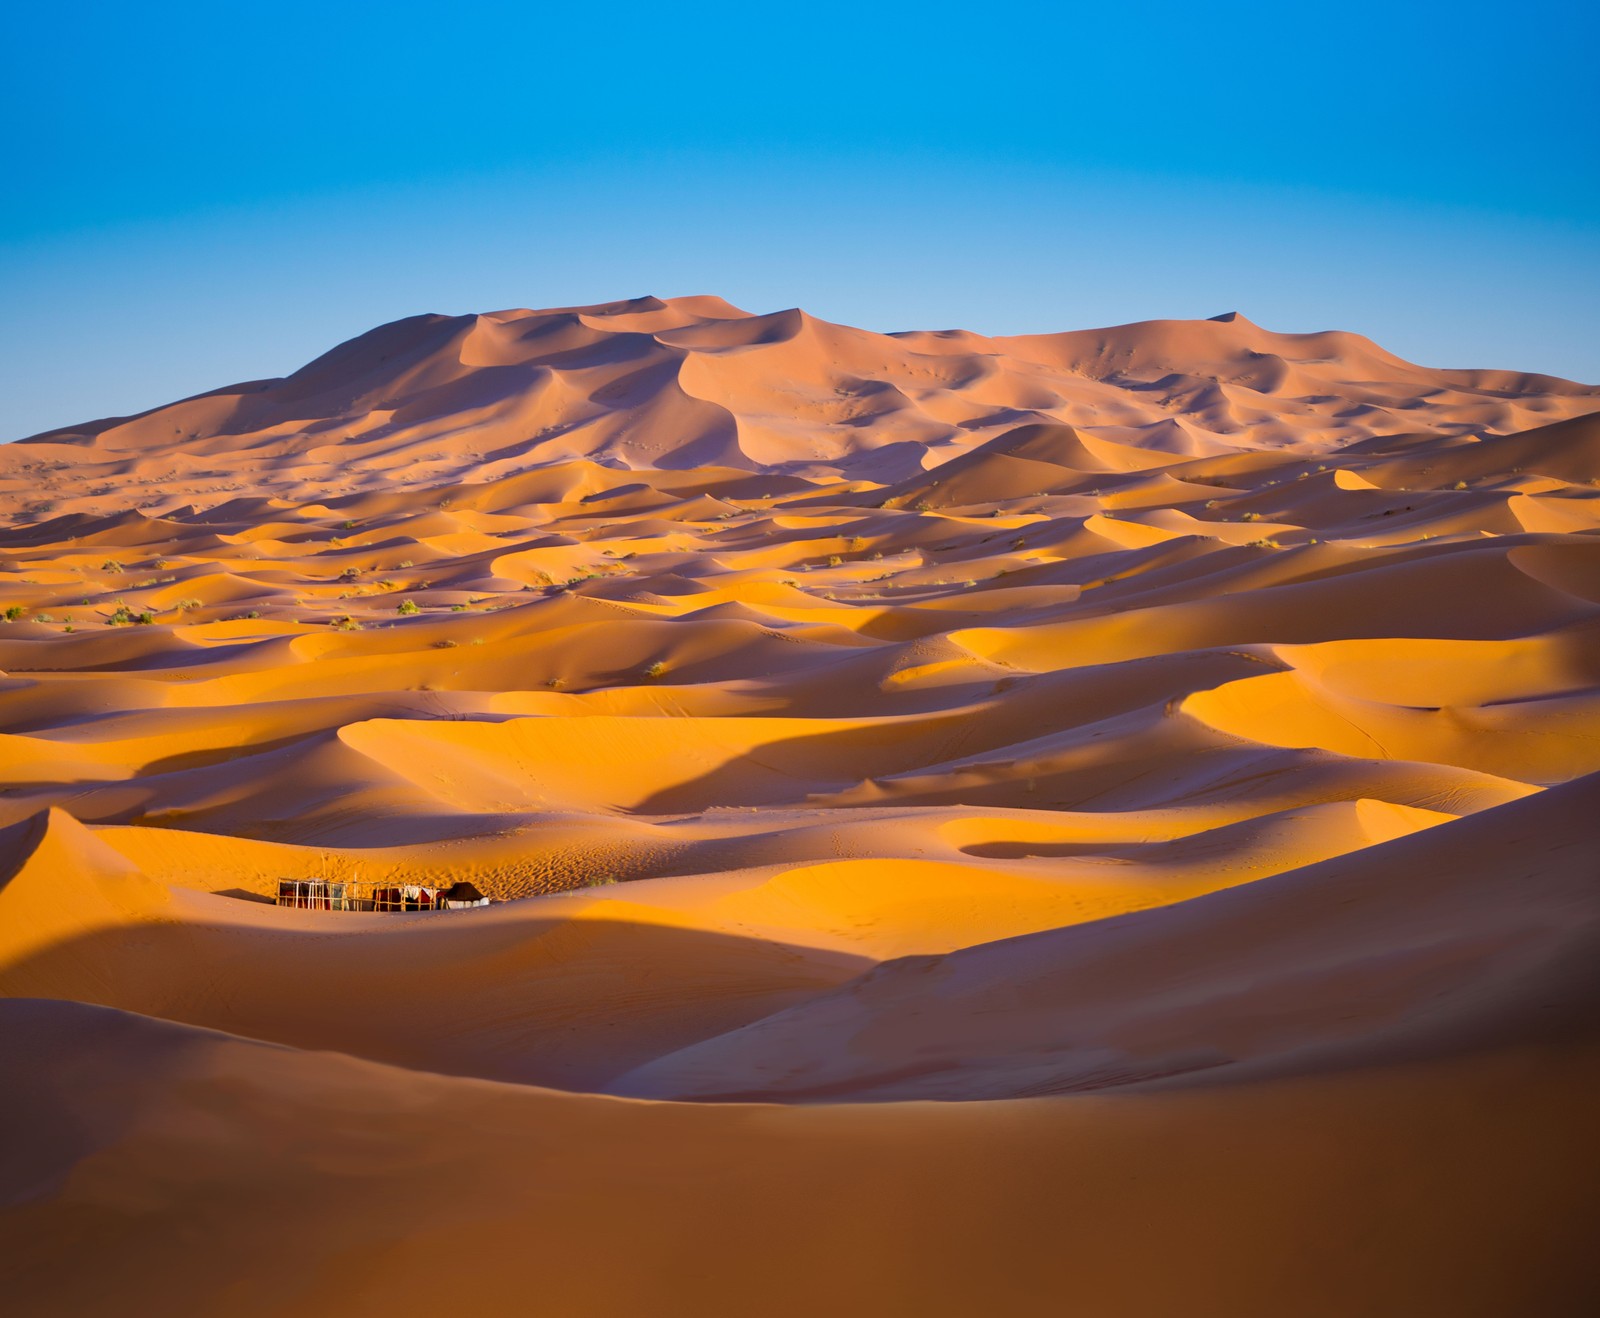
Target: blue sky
x,y
200,194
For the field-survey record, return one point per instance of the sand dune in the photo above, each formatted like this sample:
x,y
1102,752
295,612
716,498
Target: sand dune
x,y
1481,930
978,825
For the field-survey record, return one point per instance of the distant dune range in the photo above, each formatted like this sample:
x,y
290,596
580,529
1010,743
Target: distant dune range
x,y
1103,823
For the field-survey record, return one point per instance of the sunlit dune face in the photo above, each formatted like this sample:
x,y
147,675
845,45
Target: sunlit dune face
x,y
832,717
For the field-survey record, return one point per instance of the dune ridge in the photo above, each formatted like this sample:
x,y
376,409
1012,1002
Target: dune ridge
x,y
1056,785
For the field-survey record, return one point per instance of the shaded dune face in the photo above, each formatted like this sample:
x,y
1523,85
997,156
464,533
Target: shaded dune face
x,y
1191,728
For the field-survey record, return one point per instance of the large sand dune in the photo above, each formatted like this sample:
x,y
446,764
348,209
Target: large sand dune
x,y
1098,823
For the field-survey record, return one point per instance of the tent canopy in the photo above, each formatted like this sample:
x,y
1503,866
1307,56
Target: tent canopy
x,y
463,892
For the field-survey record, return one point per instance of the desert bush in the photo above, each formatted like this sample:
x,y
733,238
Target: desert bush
x,y
444,645
656,669
407,607
13,612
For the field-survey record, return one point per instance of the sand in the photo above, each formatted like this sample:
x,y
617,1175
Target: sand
x,y
1099,822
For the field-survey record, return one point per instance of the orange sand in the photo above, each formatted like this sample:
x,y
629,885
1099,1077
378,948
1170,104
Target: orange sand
x,y
1100,823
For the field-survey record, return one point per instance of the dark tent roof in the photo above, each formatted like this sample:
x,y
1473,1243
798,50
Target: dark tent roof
x,y
463,892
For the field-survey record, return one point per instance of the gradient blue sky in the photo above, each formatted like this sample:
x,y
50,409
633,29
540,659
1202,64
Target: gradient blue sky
x,y
199,194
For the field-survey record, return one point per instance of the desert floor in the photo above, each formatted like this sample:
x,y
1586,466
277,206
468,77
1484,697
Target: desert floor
x,y
1103,823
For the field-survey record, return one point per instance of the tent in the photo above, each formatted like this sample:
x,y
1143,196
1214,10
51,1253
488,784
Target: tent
x,y
462,894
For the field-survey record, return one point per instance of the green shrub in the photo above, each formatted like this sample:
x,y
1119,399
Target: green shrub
x,y
656,669
13,612
408,607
